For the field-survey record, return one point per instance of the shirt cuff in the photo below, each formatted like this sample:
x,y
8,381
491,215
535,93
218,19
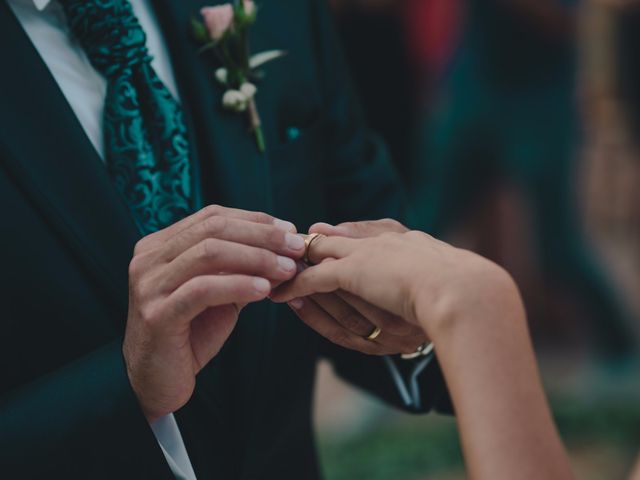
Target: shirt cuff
x,y
409,387
170,440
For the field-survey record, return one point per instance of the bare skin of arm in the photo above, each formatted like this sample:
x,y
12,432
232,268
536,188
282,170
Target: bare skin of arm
x,y
471,309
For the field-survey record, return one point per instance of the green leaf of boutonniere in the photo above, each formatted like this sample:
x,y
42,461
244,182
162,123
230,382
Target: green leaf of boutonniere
x,y
199,31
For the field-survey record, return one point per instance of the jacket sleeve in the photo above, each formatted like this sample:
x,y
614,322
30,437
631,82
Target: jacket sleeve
x,y
82,421
363,184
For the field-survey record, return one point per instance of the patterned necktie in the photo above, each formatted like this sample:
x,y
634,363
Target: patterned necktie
x,y
145,137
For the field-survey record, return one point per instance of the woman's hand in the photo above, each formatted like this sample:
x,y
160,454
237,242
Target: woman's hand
x,y
472,311
349,321
412,275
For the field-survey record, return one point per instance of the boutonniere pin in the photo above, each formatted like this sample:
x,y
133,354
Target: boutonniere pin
x,y
224,30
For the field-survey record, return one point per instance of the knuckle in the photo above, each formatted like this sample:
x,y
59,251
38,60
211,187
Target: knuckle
x,y
354,322
393,224
148,315
352,226
136,267
215,225
209,249
194,288
212,210
262,217
197,288
140,246
140,288
416,235
339,337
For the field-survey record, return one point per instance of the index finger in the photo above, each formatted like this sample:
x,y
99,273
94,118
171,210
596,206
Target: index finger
x,y
215,210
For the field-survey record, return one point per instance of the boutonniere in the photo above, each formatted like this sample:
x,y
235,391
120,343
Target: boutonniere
x,y
224,30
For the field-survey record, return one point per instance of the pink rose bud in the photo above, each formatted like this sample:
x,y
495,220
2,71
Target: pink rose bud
x,y
218,19
249,7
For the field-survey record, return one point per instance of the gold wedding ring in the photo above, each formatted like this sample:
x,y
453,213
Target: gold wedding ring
x,y
374,334
308,241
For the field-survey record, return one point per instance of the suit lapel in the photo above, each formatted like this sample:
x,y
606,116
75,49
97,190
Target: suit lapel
x,y
51,158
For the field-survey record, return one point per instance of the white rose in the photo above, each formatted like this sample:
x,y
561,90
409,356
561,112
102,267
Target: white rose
x,y
235,100
222,75
248,89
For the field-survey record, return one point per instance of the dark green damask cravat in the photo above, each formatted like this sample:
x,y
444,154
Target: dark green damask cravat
x,y
145,137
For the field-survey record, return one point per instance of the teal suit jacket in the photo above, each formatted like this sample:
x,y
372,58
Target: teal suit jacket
x,y
66,407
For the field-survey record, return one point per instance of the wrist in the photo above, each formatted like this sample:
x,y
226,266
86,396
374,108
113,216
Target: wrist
x,y
483,293
137,391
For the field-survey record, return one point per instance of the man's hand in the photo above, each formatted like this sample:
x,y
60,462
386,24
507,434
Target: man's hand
x,y
187,285
346,319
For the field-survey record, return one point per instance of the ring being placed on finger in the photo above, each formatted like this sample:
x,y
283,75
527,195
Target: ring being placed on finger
x,y
374,334
308,241
422,351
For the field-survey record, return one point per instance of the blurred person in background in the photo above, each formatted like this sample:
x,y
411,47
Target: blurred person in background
x,y
395,50
627,44
385,78
508,116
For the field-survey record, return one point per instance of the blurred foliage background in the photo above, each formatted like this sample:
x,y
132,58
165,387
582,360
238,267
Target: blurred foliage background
x,y
515,125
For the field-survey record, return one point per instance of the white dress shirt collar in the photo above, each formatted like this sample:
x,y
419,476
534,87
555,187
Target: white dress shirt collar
x,y
38,4
41,4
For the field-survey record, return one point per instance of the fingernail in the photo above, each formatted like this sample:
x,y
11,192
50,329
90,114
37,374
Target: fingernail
x,y
284,225
296,303
286,264
294,242
262,285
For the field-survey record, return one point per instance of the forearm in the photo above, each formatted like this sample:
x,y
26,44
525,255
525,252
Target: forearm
x,y
489,366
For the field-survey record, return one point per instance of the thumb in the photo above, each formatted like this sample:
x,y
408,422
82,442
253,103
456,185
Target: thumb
x,y
210,330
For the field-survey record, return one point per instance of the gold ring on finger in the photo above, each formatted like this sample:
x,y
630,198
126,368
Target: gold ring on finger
x,y
308,241
374,334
